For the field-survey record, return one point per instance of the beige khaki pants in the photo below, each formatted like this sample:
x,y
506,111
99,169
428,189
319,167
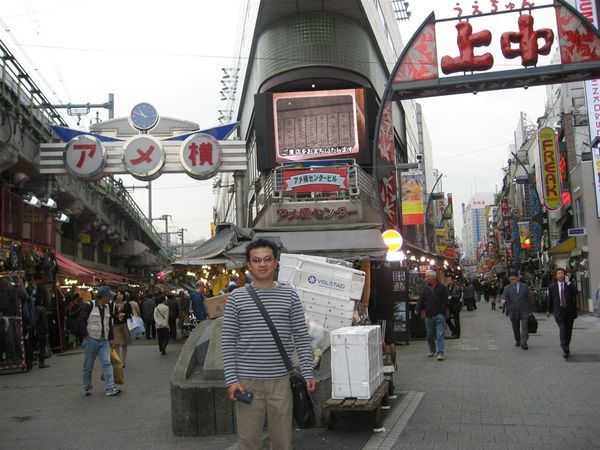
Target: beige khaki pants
x,y
273,400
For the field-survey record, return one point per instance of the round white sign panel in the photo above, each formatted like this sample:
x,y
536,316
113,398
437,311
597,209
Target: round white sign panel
x,y
200,155
143,157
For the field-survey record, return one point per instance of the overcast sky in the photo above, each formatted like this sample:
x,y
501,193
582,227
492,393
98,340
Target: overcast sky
x,y
171,54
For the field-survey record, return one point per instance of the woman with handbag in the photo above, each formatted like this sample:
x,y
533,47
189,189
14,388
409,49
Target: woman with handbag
x,y
121,312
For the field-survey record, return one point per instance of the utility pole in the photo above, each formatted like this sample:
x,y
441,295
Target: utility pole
x,y
165,217
180,232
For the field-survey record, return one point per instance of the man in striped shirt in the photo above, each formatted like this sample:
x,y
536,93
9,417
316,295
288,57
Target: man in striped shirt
x,y
251,359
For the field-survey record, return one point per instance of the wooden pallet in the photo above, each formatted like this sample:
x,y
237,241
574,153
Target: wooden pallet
x,y
372,405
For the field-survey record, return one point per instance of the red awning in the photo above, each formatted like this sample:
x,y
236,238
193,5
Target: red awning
x,y
68,267
110,278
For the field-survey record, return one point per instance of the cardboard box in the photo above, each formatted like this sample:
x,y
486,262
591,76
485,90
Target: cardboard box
x,y
356,362
215,306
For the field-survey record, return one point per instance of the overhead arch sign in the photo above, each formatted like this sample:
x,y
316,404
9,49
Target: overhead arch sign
x,y
488,37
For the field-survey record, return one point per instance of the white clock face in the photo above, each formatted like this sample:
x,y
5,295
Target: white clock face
x,y
144,116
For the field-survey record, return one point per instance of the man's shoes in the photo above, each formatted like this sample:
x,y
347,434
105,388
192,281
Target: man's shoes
x,y
163,352
440,357
565,355
87,392
431,354
43,366
113,391
524,347
517,344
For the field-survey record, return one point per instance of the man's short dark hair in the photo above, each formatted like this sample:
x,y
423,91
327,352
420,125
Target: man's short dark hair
x,y
561,269
262,243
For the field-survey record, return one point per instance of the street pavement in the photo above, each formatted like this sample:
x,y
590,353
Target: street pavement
x,y
487,394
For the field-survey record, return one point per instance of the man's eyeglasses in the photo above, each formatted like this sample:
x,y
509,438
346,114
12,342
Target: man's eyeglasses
x,y
266,259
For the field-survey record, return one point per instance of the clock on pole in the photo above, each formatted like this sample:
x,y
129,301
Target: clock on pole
x,y
143,116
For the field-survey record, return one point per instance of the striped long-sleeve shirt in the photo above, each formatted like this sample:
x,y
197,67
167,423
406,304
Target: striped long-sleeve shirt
x,y
249,350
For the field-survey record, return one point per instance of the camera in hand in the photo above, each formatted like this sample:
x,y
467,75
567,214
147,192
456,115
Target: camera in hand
x,y
245,397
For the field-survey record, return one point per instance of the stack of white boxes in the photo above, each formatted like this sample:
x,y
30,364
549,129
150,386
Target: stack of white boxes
x,y
356,362
327,288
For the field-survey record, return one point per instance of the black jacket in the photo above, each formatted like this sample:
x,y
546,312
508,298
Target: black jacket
x,y
433,301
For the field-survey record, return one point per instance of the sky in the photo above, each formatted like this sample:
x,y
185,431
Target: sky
x,y
171,53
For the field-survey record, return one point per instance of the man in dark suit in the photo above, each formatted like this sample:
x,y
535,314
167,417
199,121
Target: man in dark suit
x,y
516,300
561,302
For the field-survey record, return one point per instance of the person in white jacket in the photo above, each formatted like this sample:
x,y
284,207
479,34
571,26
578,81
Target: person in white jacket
x,y
161,317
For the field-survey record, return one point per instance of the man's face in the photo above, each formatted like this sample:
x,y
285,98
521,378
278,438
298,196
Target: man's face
x,y
513,279
430,280
449,281
262,263
560,276
104,300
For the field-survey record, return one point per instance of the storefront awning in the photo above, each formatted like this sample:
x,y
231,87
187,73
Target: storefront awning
x,y
67,267
340,244
565,247
211,251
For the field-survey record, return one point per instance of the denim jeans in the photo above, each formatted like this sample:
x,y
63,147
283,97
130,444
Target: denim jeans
x,y
101,348
436,326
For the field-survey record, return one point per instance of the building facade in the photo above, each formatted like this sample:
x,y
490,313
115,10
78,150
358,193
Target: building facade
x,y
309,81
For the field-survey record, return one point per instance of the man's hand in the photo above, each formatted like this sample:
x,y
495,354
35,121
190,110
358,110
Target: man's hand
x,y
232,389
311,385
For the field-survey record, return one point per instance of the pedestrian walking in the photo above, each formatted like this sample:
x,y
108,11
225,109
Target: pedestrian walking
x,y
515,297
251,358
148,305
197,302
469,296
454,307
493,294
96,328
184,310
432,306
41,326
173,303
562,303
478,289
121,313
161,317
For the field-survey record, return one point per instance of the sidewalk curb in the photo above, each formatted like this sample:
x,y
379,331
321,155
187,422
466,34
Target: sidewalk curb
x,y
395,422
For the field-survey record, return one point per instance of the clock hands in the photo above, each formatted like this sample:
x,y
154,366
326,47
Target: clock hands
x,y
140,113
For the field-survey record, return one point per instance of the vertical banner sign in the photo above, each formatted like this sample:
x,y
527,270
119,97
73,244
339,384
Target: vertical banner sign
x,y
588,9
413,208
549,168
524,235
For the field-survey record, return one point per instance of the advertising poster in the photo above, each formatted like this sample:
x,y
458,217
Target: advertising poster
x,y
413,207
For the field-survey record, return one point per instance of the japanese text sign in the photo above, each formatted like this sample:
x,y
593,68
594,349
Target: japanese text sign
x,y
549,168
143,157
84,157
318,180
200,155
325,213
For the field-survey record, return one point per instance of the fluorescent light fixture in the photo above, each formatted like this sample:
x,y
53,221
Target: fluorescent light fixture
x,y
31,199
61,217
49,202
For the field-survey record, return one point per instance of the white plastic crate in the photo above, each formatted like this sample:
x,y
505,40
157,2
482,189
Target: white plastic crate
x,y
356,362
318,275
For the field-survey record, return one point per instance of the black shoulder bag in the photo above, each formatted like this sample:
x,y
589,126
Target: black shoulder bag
x,y
303,407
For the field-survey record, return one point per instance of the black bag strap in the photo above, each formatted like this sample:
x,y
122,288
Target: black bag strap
x,y
265,314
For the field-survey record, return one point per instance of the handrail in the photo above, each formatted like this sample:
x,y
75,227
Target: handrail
x,y
25,97
110,187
